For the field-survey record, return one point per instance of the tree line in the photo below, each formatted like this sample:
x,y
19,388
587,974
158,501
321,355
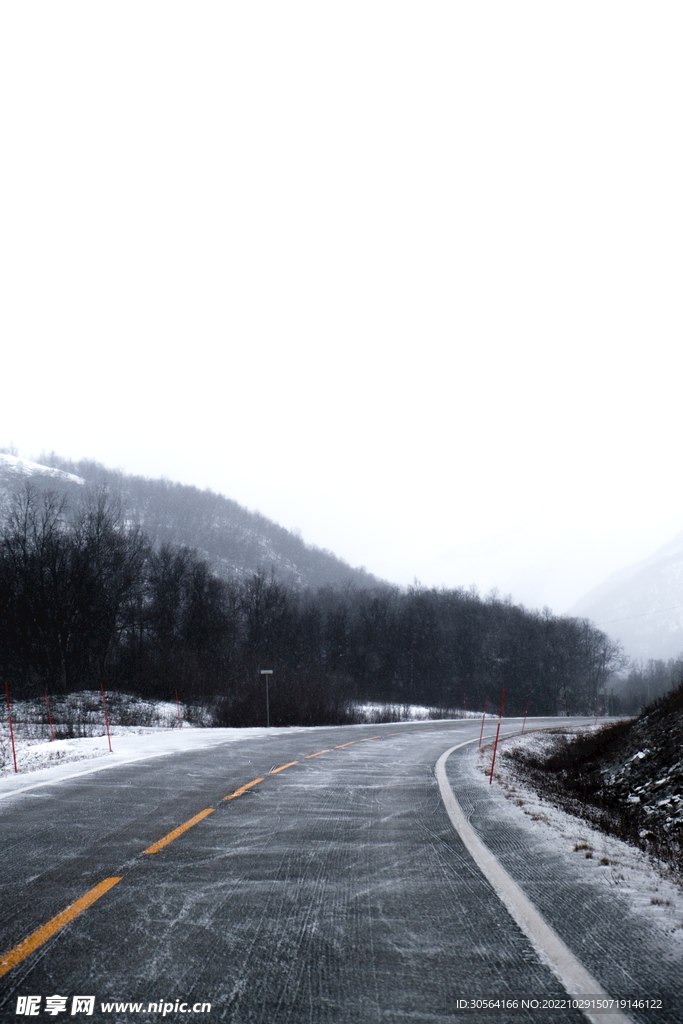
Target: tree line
x,y
86,598
646,682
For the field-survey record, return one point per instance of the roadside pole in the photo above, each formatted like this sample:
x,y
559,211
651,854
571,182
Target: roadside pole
x,y
525,714
106,717
180,724
598,711
267,672
495,745
481,733
49,716
11,730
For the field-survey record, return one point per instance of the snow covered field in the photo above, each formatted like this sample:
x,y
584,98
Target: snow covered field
x,y
46,762
152,729
137,727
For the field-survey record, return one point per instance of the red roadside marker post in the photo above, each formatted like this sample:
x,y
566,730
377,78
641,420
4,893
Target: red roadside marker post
x,y
49,715
495,745
180,724
11,730
525,713
106,716
481,732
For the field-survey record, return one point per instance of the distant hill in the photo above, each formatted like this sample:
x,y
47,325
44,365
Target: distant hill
x,y
234,540
646,599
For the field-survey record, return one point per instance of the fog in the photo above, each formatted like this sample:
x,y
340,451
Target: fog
x,y
403,276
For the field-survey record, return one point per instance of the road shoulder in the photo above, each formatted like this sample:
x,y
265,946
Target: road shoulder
x,y
630,945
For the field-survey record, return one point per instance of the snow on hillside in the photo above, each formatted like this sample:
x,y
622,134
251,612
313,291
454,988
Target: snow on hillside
x,y
234,540
13,467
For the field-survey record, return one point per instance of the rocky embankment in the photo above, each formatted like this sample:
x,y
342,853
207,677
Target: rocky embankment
x,y
626,778
650,777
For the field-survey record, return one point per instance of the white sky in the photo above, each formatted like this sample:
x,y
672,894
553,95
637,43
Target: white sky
x,y
404,275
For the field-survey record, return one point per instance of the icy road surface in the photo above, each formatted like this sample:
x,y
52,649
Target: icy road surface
x,y
334,890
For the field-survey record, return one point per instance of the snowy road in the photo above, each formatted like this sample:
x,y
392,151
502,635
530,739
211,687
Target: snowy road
x,y
334,890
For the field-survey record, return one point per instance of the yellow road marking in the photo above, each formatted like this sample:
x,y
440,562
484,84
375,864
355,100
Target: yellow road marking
x,y
37,938
242,789
155,847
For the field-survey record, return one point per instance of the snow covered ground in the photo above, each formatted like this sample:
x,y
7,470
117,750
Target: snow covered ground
x,y
137,727
43,763
652,888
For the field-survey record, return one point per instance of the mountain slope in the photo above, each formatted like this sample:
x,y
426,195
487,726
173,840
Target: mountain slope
x,y
646,600
233,539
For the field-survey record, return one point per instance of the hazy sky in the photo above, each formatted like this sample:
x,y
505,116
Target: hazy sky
x,y
406,276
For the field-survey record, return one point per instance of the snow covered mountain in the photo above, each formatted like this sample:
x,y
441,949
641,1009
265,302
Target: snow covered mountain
x,y
642,605
233,539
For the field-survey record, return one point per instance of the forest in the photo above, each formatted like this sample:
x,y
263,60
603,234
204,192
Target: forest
x,y
88,599
647,681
